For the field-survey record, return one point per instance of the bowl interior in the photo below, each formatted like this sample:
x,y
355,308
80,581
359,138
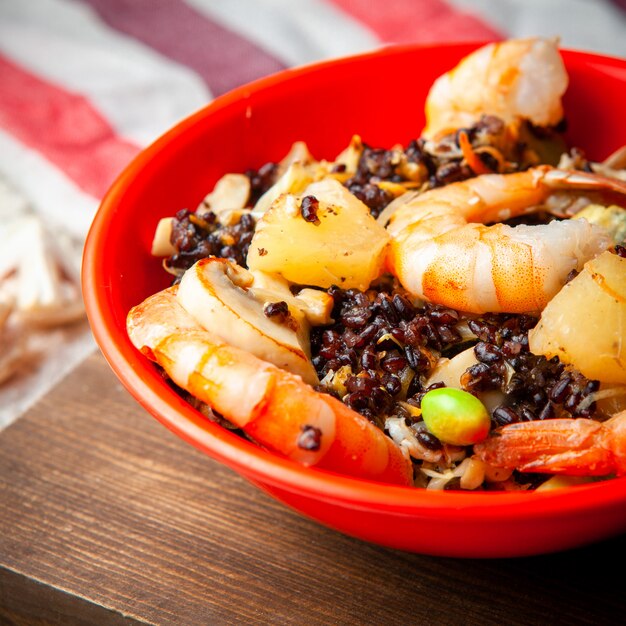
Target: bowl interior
x,y
379,96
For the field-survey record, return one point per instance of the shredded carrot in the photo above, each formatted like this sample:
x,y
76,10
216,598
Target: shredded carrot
x,y
471,158
495,153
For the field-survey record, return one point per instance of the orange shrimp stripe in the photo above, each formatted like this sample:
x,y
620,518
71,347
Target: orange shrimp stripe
x,y
271,405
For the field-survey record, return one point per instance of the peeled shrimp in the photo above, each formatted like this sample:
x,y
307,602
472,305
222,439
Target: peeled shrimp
x,y
439,253
514,80
578,447
273,407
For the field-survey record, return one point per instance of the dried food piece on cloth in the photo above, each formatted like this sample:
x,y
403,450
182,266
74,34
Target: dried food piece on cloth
x,y
39,287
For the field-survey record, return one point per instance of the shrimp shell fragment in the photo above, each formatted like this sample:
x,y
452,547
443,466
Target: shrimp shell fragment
x,y
577,447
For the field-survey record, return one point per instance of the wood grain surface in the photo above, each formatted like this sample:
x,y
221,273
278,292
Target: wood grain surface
x,y
107,518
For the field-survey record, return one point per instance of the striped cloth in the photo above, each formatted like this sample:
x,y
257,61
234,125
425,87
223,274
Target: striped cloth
x,y
85,84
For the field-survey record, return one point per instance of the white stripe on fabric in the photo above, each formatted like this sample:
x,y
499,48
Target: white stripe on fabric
x,y
296,32
141,93
596,25
49,192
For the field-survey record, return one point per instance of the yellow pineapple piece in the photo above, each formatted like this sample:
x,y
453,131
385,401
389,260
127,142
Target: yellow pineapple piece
x,y
585,323
331,240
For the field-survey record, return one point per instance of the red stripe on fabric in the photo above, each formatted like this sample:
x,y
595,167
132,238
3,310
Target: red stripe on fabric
x,y
63,127
221,57
418,21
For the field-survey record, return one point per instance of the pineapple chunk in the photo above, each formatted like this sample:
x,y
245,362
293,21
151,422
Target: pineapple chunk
x,y
585,323
611,218
344,246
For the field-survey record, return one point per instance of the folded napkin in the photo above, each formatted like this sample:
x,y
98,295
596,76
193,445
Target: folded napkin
x,y
87,83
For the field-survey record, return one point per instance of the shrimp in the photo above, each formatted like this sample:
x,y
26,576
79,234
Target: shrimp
x,y
577,447
518,79
273,407
439,253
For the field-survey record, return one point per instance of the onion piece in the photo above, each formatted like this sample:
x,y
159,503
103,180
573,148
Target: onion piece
x,y
601,394
394,205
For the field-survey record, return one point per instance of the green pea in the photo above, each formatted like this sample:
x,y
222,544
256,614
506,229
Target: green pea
x,y
455,416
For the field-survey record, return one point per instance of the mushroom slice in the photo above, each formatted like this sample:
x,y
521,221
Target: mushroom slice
x,y
316,305
450,371
161,242
230,192
218,294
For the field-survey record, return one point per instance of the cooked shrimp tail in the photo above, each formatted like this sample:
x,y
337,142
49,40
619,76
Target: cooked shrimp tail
x,y
577,447
273,407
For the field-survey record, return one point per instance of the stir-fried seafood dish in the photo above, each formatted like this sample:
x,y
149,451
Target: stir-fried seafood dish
x,y
450,314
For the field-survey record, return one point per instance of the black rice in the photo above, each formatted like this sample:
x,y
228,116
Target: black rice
x,y
386,341
196,237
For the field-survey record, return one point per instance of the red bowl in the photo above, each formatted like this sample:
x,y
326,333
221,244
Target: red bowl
x,y
379,96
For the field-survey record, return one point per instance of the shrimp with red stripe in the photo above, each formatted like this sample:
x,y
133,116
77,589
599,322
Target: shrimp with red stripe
x,y
274,407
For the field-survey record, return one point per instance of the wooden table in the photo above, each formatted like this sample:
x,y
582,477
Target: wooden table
x,y
107,518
